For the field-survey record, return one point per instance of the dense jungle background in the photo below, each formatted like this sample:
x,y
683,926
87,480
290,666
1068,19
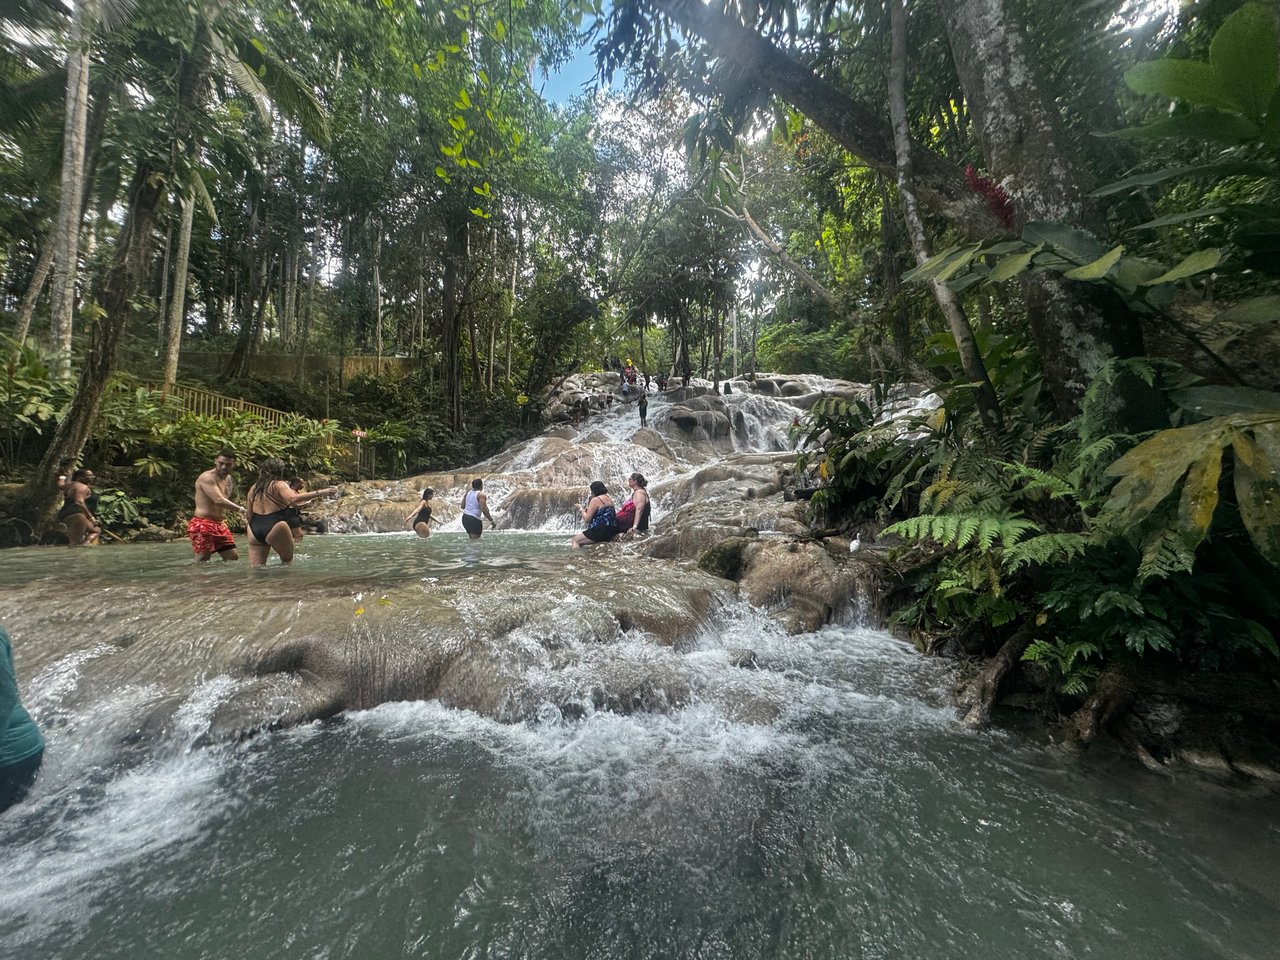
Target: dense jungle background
x,y
1065,220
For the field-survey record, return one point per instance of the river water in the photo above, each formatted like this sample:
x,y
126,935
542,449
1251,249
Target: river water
x,y
859,822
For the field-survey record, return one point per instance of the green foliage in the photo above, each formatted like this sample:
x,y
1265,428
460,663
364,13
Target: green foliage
x,y
1145,285
31,397
1191,458
117,509
867,464
960,531
1102,540
802,348
1075,662
1230,105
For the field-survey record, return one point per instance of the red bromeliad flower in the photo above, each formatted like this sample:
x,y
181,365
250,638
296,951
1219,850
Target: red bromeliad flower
x,y
997,200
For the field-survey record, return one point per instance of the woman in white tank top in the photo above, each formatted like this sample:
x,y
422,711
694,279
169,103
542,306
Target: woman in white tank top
x,y
474,505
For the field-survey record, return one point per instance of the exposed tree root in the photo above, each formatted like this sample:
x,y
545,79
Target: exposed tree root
x,y
978,695
1112,697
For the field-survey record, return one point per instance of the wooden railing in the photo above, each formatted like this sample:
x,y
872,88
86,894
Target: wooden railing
x,y
206,403
360,456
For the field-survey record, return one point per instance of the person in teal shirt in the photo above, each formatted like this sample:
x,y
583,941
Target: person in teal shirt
x,y
21,746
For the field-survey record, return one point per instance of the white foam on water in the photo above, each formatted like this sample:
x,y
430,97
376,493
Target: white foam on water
x,y
136,818
577,751
195,716
52,684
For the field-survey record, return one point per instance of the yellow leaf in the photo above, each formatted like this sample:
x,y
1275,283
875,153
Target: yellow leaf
x,y
359,611
1200,497
1258,496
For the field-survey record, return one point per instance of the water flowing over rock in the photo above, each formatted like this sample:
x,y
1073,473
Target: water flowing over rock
x,y
700,447
489,629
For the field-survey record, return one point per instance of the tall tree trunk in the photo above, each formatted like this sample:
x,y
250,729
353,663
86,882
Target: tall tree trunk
x,y
314,257
477,380
891,280
178,299
251,328
515,270
66,244
124,279
377,295
38,276
966,344
455,264
496,299
856,126
161,312
1077,328
284,297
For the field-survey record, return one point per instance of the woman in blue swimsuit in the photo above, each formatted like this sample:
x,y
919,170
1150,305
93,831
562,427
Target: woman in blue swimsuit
x,y
600,516
270,504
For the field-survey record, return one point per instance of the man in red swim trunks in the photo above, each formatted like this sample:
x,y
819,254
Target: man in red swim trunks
x,y
208,528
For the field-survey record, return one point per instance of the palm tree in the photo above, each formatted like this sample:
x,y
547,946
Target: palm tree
x,y
66,239
217,39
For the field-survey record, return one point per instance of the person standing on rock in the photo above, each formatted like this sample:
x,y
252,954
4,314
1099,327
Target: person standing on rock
x,y
208,527
644,409
475,503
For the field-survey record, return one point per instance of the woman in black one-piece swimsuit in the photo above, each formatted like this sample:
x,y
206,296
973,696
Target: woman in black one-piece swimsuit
x,y
421,515
271,501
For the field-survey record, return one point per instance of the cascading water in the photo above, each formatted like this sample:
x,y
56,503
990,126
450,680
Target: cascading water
x,y
586,754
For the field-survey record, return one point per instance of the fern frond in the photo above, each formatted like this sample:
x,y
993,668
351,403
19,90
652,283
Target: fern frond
x,y
937,495
1165,554
965,531
961,530
1149,635
1048,549
1039,481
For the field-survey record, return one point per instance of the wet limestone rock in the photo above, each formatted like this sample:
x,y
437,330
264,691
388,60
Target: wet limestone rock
x,y
727,558
800,583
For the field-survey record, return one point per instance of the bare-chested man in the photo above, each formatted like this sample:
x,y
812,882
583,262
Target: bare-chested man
x,y
208,528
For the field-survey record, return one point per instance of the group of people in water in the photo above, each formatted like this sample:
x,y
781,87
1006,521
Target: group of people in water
x,y
475,505
607,521
273,517
272,511
604,519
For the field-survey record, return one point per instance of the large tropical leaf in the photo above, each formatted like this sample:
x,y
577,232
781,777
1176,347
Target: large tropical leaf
x,y
1098,269
1256,311
1243,57
1188,80
1258,495
1200,497
1153,469
1216,126
1198,262
292,96
1218,401
28,103
1078,246
1013,264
